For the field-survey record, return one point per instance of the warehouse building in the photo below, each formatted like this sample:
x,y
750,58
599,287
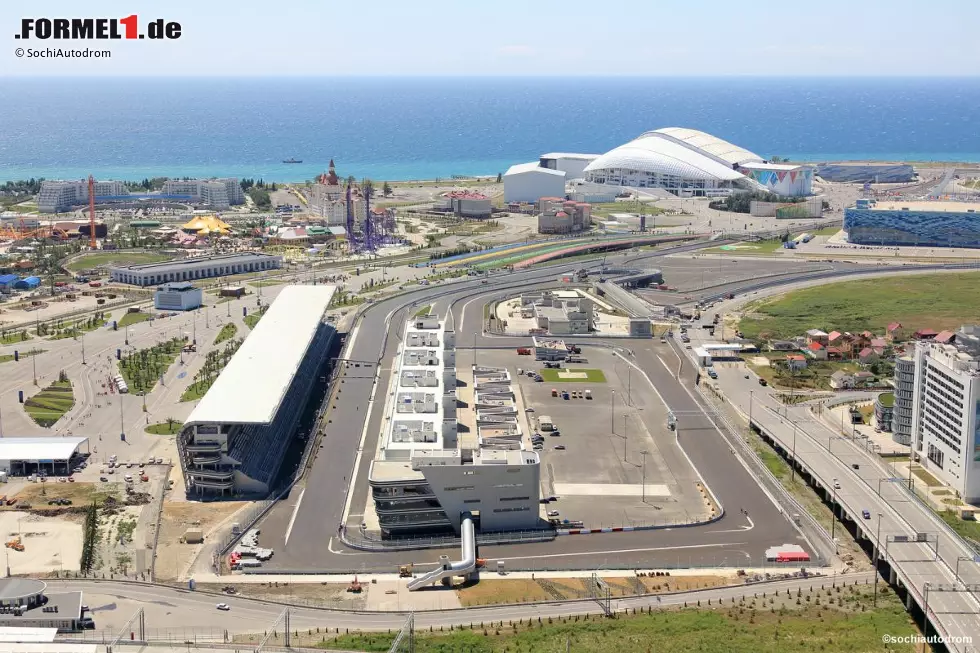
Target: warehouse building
x,y
177,296
946,411
235,439
428,474
918,224
54,456
528,182
466,204
189,269
573,165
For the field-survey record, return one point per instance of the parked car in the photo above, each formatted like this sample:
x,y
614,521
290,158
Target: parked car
x,y
104,479
553,513
223,606
559,447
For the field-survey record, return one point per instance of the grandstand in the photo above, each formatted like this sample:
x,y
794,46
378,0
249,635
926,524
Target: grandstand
x,y
235,439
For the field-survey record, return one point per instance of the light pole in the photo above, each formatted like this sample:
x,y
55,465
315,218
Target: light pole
x,y
750,409
127,334
83,351
122,425
34,363
833,521
877,553
644,484
629,384
626,438
612,412
793,475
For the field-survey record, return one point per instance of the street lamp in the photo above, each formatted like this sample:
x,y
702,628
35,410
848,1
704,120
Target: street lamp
x,y
793,476
877,552
625,436
612,412
833,522
644,484
122,425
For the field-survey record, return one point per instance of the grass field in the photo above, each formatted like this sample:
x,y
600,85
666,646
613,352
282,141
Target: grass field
x,y
590,376
133,318
967,529
164,429
227,332
13,337
867,305
50,404
829,620
80,494
749,249
251,320
101,259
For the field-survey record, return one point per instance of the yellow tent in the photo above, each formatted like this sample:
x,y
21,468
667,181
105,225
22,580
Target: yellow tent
x,y
204,225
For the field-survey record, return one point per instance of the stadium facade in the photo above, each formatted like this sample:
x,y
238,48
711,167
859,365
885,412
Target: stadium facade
x,y
691,163
920,224
235,440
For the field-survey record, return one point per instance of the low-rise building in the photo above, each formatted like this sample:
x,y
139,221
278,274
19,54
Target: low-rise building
x,y
466,204
894,332
841,380
560,312
190,269
177,296
795,362
816,335
816,351
563,217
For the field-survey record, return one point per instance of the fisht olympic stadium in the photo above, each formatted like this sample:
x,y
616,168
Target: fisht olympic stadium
x,y
688,162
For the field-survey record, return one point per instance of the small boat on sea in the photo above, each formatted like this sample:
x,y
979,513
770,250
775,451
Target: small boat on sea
x,y
292,160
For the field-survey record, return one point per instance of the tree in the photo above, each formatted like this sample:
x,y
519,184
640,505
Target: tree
x,y
500,177
350,180
170,423
367,187
386,190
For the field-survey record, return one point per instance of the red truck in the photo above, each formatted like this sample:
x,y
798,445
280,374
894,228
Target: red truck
x,y
95,284
524,351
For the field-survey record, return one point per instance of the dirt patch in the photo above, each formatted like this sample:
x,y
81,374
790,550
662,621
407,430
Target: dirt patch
x,y
172,556
488,592
80,494
50,544
661,584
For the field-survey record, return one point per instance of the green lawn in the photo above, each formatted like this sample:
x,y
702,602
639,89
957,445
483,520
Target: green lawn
x,y
133,318
748,249
164,429
102,259
833,620
13,337
5,358
251,320
967,529
214,363
227,332
826,231
590,376
266,283
49,405
422,312
867,305
887,399
925,476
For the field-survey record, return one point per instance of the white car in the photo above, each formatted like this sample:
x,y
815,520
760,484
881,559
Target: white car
x,y
553,513
223,606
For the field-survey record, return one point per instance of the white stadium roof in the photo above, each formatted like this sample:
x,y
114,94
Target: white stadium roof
x,y
711,145
655,152
49,448
570,155
251,387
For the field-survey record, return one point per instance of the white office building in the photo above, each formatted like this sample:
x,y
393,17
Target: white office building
x,y
218,194
177,296
190,269
59,196
946,411
427,474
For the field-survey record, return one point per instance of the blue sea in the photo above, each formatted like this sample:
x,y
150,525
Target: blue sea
x,y
423,128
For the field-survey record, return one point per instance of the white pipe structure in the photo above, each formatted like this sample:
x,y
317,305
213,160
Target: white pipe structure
x,y
463,567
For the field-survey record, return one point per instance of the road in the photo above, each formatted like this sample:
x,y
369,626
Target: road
x,y
172,611
310,515
865,483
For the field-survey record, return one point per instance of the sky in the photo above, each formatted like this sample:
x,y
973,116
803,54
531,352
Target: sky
x,y
515,38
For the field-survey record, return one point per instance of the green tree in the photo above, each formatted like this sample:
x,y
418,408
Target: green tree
x,y
386,189
500,177
367,187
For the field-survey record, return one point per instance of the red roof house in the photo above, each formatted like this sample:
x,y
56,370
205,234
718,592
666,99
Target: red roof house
x,y
925,334
945,337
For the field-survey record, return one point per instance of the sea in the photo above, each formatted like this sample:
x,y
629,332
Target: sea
x,y
427,128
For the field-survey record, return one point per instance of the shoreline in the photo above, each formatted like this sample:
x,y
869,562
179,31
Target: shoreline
x,y
274,173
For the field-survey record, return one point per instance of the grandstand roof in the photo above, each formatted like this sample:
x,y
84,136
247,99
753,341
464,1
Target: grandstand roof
x,y
252,385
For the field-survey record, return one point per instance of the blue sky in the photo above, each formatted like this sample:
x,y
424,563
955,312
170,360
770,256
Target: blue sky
x,y
508,37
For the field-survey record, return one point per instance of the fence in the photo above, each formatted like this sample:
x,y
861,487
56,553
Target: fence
x,y
156,530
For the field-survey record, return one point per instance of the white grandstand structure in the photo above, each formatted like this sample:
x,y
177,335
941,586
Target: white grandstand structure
x,y
688,162
235,439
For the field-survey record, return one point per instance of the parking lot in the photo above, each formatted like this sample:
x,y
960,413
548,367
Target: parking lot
x,y
594,461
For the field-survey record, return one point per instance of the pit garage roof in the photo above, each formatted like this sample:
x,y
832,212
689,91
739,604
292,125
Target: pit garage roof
x,y
253,384
23,635
48,647
14,448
